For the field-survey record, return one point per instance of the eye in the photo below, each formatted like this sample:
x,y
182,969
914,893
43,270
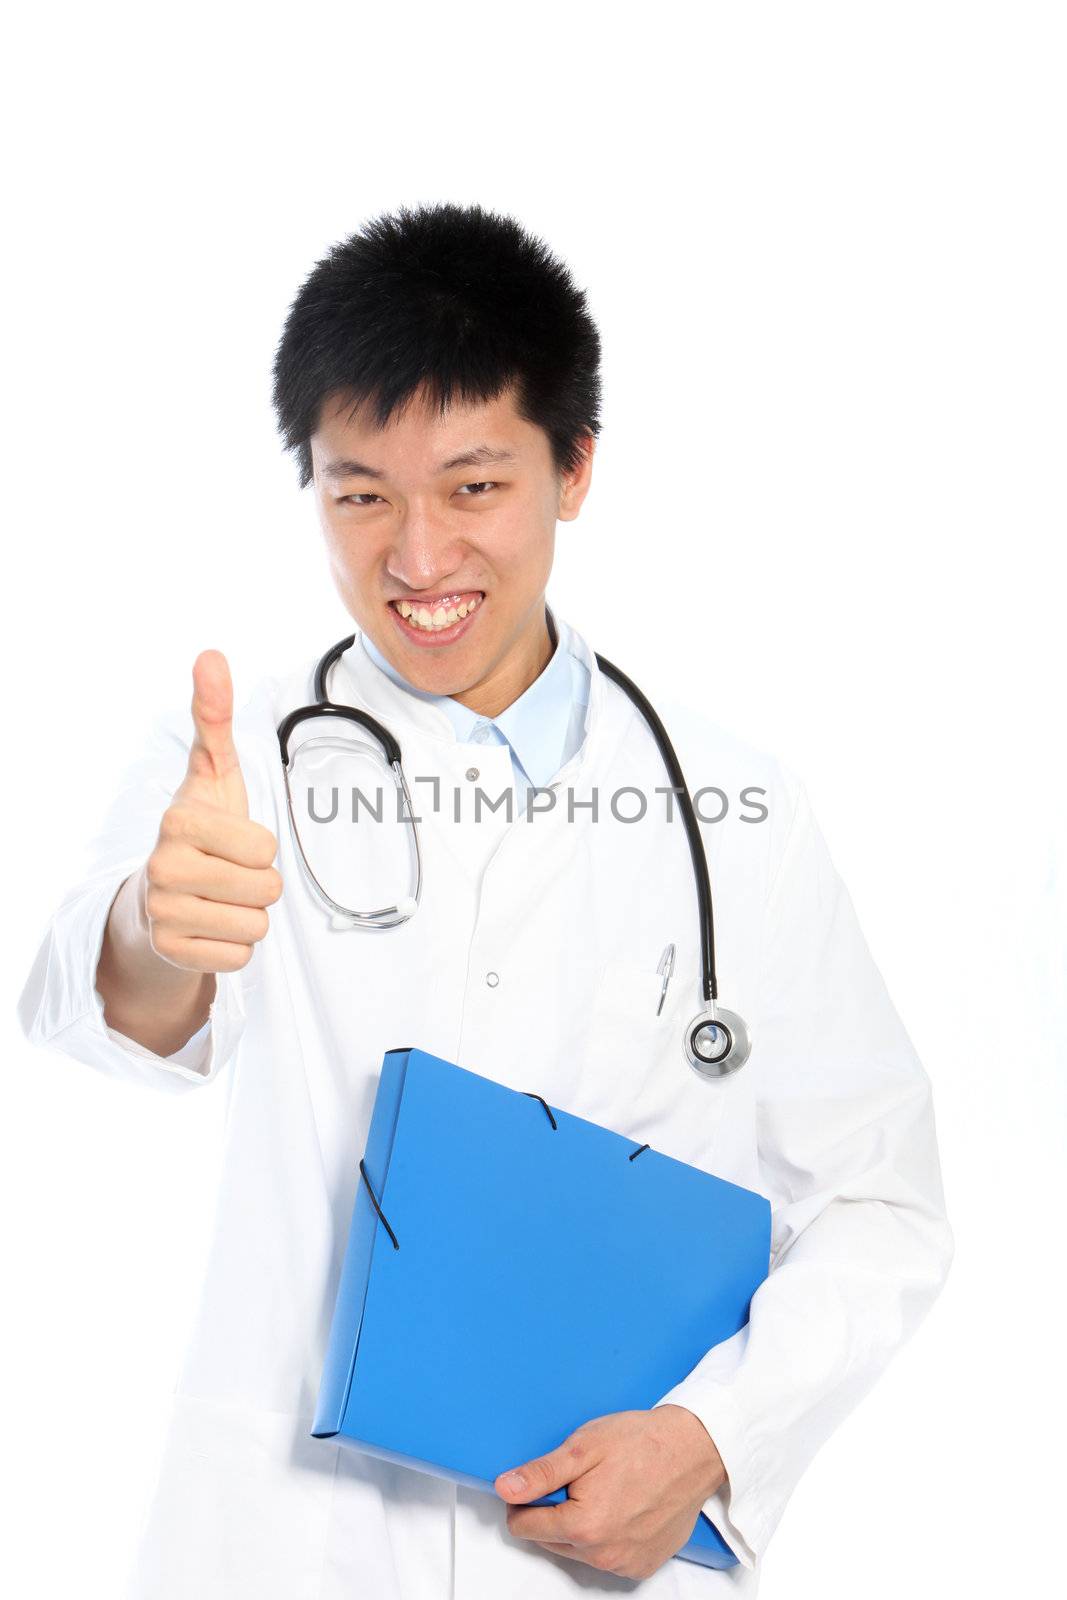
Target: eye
x,y
477,486
361,498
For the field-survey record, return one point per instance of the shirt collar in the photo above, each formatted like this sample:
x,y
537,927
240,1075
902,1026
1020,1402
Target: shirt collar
x,y
535,725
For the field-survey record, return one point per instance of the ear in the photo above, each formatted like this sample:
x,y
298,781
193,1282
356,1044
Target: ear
x,y
574,485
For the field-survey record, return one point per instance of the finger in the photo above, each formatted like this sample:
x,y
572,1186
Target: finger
x,y
186,916
219,833
541,1523
213,757
203,955
188,870
544,1473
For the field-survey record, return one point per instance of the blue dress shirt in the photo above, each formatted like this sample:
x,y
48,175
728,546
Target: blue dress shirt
x,y
543,728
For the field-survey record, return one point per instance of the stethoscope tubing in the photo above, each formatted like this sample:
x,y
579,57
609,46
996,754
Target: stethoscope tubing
x,y
709,981
706,1058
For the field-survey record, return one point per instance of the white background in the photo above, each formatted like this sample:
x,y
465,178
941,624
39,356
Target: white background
x,y
825,248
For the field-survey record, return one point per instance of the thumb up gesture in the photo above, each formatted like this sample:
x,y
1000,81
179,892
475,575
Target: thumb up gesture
x,y
210,878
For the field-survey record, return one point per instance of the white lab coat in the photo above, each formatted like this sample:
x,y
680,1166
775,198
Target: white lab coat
x,y
831,1119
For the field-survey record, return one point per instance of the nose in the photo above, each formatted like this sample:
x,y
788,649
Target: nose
x,y
425,551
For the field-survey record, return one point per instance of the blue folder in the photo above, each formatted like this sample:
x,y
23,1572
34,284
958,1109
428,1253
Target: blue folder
x,y
513,1271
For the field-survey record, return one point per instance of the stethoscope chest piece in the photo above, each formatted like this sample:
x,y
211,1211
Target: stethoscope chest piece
x,y
717,1043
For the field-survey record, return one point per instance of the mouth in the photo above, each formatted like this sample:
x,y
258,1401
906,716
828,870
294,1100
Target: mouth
x,y
437,619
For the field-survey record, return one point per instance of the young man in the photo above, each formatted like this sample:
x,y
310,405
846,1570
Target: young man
x,y
438,381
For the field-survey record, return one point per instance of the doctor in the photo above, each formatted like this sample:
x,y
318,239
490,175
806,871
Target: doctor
x,y
437,379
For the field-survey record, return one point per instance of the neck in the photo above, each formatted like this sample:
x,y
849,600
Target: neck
x,y
502,686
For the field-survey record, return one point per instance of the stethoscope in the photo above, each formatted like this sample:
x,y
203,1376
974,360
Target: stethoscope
x,y
716,1041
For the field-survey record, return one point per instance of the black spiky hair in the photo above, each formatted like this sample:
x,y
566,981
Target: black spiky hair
x,y
457,298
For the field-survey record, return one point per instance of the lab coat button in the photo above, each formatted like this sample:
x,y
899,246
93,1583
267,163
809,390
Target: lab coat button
x,y
492,979
472,773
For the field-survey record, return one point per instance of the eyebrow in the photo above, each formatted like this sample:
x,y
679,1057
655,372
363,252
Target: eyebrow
x,y
478,456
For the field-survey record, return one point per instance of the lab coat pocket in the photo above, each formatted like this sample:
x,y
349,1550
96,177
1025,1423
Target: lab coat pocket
x,y
632,989
635,1077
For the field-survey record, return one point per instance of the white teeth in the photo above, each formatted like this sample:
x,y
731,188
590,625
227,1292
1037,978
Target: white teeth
x,y
441,617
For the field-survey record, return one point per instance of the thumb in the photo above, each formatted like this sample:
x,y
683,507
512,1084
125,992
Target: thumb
x,y
543,1474
214,768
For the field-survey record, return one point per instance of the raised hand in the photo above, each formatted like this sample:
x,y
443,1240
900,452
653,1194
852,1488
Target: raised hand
x,y
210,878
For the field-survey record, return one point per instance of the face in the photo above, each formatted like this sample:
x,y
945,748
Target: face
x,y
440,532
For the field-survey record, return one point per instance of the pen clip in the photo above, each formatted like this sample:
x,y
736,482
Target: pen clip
x,y
665,968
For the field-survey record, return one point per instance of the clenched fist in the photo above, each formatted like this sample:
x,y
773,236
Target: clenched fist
x,y
210,878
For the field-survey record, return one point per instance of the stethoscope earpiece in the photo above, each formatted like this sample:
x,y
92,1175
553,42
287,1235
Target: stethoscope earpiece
x,y
717,1043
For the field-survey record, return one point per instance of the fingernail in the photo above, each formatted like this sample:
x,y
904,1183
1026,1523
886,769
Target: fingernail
x,y
514,1481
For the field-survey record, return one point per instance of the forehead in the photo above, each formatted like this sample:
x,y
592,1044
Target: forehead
x,y
419,434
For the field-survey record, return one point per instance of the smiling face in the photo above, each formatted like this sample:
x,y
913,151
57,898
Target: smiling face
x,y
440,532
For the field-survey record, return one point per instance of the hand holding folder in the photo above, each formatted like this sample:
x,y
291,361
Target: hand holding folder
x,y
634,1481
421,1367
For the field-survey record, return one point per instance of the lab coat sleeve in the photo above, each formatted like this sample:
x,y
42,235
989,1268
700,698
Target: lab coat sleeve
x,y
60,1006
860,1242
